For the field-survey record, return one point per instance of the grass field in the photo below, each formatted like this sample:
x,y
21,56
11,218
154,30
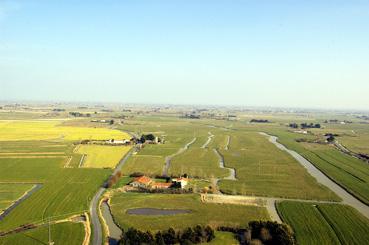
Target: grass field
x,y
325,223
197,162
101,156
177,133
63,191
351,173
64,233
201,213
222,238
149,164
264,170
50,130
11,192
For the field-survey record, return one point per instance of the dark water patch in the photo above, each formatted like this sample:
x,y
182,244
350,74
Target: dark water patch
x,y
156,211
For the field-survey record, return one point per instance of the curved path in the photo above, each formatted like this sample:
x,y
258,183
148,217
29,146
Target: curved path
x,y
347,198
228,142
232,171
94,205
208,141
169,158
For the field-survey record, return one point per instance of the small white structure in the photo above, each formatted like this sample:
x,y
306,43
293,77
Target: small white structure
x,y
182,181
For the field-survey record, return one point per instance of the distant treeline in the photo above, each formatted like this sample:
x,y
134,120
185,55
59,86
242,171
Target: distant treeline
x,y
259,121
305,125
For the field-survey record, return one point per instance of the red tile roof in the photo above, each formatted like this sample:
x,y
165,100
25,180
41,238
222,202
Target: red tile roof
x,y
143,180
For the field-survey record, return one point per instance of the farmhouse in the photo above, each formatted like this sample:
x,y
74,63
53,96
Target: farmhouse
x,y
148,183
180,182
142,182
118,142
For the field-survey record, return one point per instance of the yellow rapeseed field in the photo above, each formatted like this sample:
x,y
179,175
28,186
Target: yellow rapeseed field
x,y
101,156
47,130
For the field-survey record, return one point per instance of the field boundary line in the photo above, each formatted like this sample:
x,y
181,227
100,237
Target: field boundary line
x,y
169,158
81,161
329,223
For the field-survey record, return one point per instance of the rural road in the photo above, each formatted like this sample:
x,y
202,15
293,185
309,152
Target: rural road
x,y
96,225
94,205
347,198
169,158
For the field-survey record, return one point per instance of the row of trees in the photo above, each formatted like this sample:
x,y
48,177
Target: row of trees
x,y
269,233
196,235
304,125
114,179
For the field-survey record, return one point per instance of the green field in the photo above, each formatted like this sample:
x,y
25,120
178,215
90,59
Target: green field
x,y
149,164
198,162
325,223
101,156
64,191
64,233
222,238
349,172
11,192
264,170
201,213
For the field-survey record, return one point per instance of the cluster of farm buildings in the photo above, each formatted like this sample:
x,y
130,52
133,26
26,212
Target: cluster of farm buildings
x,y
145,182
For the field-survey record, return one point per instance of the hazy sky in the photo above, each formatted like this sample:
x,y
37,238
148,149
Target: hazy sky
x,y
266,53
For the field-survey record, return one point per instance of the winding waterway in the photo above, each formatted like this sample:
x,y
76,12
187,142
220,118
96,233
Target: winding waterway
x,y
347,198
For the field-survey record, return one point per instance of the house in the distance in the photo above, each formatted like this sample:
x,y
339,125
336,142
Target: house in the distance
x,y
180,182
148,183
141,182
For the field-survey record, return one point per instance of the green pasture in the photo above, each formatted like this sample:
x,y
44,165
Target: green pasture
x,y
264,170
64,233
201,213
315,223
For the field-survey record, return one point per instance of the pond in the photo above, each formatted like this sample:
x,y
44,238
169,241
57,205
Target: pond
x,y
156,211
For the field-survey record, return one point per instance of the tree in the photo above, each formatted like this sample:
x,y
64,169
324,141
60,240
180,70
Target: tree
x,y
159,240
170,236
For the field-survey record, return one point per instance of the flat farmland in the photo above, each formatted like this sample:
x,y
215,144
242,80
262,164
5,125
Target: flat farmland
x,y
177,133
50,130
64,233
349,172
101,156
264,170
64,191
353,136
11,192
325,223
148,164
197,162
200,213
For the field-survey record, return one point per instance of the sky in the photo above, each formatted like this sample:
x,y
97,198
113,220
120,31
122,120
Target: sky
x,y
311,54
